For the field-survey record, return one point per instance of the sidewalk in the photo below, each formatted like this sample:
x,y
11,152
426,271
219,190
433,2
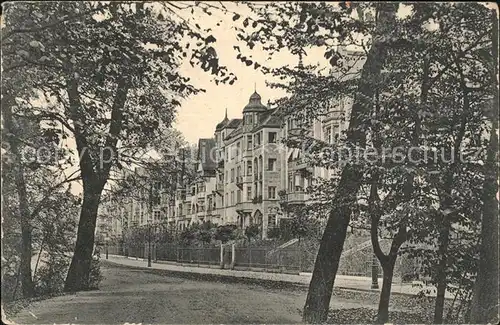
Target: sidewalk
x,y
344,282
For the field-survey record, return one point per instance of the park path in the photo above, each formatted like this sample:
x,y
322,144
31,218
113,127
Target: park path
x,y
131,295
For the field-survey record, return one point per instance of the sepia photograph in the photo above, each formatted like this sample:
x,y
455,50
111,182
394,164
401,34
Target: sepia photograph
x,y
249,162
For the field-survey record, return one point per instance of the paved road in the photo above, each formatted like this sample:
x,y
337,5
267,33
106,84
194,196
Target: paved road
x,y
341,281
141,296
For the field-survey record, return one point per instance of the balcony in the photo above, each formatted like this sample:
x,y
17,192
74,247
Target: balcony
x,y
336,115
247,153
296,197
219,188
244,207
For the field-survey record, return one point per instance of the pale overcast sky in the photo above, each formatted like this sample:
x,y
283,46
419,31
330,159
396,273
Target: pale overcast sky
x,y
198,115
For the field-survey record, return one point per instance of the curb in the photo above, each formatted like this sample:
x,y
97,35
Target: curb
x,y
268,283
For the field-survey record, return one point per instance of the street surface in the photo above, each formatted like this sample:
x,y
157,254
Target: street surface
x,y
140,296
341,281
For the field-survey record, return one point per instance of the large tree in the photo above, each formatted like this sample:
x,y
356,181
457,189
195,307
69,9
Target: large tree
x,y
113,71
301,26
485,308
442,78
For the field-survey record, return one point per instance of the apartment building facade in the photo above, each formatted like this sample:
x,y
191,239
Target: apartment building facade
x,y
245,172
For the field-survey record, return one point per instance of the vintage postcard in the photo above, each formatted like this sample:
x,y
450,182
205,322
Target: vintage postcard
x,y
230,162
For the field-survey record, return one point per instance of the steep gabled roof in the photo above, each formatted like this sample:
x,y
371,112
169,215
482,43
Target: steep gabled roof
x,y
268,119
234,123
206,155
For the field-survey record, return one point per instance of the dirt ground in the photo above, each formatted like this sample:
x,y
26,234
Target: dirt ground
x,y
137,296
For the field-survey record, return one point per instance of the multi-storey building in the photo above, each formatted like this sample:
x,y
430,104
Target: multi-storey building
x,y
245,171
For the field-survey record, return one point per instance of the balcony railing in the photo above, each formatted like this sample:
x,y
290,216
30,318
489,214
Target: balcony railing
x,y
296,197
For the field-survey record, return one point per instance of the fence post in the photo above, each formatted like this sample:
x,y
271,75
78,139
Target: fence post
x,y
233,255
199,255
280,262
221,256
249,256
177,248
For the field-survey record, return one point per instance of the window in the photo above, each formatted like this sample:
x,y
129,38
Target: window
x,y
227,202
249,193
271,164
222,201
272,137
227,178
238,196
232,175
299,183
290,182
156,215
237,150
328,134
156,199
227,154
232,197
249,142
335,133
238,171
271,192
250,119
249,168
257,139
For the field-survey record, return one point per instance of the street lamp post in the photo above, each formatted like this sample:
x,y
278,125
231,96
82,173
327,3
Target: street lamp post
x,y
374,272
106,245
149,244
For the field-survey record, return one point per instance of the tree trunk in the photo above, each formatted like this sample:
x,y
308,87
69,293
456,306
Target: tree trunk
x,y
485,304
444,239
385,294
26,240
327,260
332,242
39,256
94,176
79,270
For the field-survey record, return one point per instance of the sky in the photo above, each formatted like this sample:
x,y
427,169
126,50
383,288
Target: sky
x,y
199,114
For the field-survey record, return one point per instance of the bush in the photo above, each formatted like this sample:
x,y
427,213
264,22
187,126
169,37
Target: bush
x,y
225,233
95,275
274,233
252,231
49,278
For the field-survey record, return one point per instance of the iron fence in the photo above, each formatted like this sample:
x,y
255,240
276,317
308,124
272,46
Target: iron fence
x,y
268,258
298,258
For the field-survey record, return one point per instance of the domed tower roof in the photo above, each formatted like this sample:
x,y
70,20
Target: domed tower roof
x,y
222,124
254,104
